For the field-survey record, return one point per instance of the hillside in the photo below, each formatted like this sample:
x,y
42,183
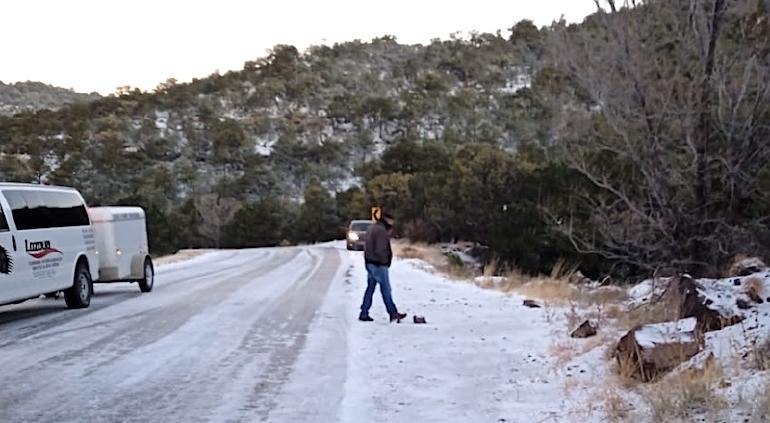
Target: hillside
x,y
284,121
320,113
26,96
619,144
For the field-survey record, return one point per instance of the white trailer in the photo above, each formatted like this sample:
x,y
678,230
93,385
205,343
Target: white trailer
x,y
121,243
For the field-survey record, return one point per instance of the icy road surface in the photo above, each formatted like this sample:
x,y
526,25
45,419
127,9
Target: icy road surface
x,y
212,342
271,335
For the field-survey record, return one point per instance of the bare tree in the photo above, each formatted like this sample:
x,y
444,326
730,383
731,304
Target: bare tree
x,y
216,213
666,113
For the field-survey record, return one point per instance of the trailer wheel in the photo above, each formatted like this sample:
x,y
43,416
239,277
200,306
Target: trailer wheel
x,y
145,285
79,295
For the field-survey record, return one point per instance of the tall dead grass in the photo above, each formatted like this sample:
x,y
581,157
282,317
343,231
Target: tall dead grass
x,y
683,395
179,256
662,311
449,265
555,288
761,409
615,405
559,290
759,354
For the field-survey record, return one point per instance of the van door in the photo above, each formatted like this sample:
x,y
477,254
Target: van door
x,y
14,275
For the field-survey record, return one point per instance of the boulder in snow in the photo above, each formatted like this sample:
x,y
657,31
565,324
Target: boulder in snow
x,y
706,303
531,304
744,266
585,330
742,304
650,350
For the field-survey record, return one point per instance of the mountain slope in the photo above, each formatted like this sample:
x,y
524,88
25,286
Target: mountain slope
x,y
26,96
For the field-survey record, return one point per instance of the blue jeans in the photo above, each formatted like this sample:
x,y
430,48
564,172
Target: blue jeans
x,y
377,274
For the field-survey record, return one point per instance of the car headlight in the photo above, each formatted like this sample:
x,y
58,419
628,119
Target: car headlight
x,y
353,236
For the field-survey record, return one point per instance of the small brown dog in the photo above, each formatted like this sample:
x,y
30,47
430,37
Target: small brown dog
x,y
419,319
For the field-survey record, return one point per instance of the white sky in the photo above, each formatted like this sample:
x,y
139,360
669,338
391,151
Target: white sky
x,y
98,45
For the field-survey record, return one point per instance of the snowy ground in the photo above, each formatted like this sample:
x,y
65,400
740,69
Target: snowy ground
x,y
482,357
272,335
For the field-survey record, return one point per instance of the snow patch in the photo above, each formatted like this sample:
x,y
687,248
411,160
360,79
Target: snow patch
x,y
161,119
681,331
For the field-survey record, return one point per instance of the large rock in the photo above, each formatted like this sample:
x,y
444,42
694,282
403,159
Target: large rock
x,y
531,304
585,330
744,266
650,350
693,302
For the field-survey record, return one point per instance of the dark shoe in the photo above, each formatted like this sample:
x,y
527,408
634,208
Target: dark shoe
x,y
397,317
365,319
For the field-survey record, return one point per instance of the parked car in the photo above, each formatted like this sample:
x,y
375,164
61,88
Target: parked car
x,y
356,238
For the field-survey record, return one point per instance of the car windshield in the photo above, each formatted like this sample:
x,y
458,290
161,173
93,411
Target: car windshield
x,y
360,226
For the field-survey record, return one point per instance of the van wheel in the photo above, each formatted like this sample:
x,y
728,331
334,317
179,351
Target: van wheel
x,y
79,296
145,285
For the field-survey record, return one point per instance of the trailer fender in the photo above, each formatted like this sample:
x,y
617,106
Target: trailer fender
x,y
137,266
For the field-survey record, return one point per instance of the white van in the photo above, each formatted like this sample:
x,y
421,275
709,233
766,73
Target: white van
x,y
47,244
121,239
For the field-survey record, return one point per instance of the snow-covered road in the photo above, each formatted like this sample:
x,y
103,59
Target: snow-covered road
x,y
271,335
213,342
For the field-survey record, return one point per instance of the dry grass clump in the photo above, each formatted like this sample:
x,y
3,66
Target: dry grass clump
x,y
181,255
625,368
681,395
492,268
449,265
486,283
408,252
558,287
760,354
563,351
754,288
664,309
648,314
561,290
616,407
761,409
418,251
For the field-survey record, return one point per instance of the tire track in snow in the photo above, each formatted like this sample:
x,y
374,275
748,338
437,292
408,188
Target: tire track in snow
x,y
156,323
279,338
129,334
37,317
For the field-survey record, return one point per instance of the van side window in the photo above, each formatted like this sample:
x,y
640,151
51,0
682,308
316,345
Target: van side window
x,y
38,214
33,209
18,209
67,209
3,222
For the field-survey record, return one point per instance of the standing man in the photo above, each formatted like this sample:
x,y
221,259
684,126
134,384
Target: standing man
x,y
378,256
